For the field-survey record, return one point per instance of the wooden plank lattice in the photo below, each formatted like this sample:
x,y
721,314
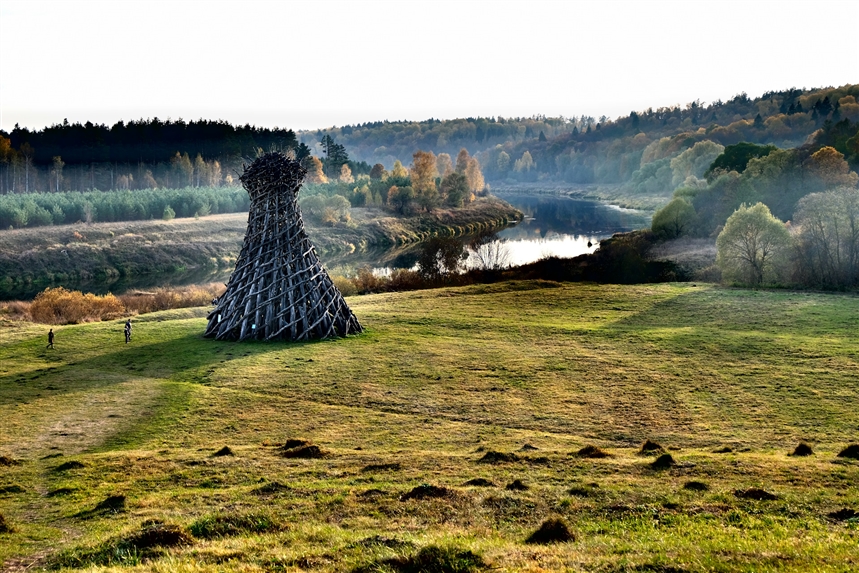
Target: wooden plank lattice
x,y
279,290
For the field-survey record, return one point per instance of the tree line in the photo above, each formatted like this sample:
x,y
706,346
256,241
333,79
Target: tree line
x,y
140,154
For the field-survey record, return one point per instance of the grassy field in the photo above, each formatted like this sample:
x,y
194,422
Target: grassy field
x,y
111,450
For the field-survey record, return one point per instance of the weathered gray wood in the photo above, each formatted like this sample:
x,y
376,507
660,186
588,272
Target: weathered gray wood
x,y
279,289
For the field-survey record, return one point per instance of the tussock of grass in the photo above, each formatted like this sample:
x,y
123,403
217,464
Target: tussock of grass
x,y
851,451
802,450
225,451
5,526
592,452
663,462
493,457
430,559
71,465
13,488
755,493
650,447
128,550
553,530
309,451
230,525
426,491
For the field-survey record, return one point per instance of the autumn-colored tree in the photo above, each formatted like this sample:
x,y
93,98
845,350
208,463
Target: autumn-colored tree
x,y
423,174
828,165
200,169
346,174
315,174
182,169
503,162
475,177
462,161
444,164
399,171
525,163
378,171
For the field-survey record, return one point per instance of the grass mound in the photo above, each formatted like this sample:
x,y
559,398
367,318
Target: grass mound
x,y
431,559
14,488
72,465
516,485
60,491
851,451
5,527
382,541
292,443
371,493
696,486
6,461
394,467
802,450
493,457
592,452
528,448
221,525
309,451
663,462
479,482
843,514
129,550
110,504
723,450
225,451
271,489
551,531
650,447
425,491
755,493
584,490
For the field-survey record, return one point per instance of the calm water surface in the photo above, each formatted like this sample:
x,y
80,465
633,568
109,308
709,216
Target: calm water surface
x,y
554,225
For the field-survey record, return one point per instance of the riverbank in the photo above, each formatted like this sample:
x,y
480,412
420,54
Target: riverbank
x,y
69,255
617,195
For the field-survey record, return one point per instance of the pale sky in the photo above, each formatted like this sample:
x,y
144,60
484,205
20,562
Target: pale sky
x,y
312,64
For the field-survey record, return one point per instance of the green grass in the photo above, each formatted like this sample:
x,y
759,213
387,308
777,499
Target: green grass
x,y
438,379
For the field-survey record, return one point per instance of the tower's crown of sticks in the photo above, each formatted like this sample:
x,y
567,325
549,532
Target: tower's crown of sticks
x,y
272,172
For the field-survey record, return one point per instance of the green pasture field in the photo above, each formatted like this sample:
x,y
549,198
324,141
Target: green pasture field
x,y
440,379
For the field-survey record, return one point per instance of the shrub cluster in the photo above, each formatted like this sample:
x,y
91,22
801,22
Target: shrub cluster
x,y
41,209
62,306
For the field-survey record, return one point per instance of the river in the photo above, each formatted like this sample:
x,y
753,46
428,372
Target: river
x,y
555,225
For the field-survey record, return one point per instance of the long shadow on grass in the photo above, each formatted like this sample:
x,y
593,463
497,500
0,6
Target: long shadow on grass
x,y
179,359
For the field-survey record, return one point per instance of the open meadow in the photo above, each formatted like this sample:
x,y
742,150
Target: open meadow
x,y
442,437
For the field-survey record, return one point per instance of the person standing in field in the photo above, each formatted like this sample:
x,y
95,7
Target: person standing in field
x,y
50,338
128,331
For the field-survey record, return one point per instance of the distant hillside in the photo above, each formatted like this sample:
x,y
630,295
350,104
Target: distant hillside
x,y
589,150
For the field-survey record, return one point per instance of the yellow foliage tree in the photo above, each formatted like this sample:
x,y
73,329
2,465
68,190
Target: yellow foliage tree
x,y
829,166
444,164
346,174
315,174
399,170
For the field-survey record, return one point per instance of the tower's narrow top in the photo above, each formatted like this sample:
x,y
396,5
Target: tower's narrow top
x,y
273,173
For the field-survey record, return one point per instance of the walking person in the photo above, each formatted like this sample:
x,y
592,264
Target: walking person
x,y
128,331
50,338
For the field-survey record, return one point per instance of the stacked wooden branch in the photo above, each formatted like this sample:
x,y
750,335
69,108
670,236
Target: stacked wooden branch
x,y
279,290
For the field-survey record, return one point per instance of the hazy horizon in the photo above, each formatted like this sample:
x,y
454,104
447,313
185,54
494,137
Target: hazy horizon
x,y
316,65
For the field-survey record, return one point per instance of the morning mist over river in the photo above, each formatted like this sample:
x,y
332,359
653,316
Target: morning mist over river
x,y
554,224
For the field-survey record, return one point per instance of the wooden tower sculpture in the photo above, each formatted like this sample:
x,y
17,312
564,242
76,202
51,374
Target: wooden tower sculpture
x,y
279,290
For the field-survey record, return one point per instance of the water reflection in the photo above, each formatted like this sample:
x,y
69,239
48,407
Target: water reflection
x,y
554,225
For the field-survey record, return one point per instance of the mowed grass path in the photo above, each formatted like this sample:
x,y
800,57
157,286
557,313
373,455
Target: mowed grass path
x,y
438,379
